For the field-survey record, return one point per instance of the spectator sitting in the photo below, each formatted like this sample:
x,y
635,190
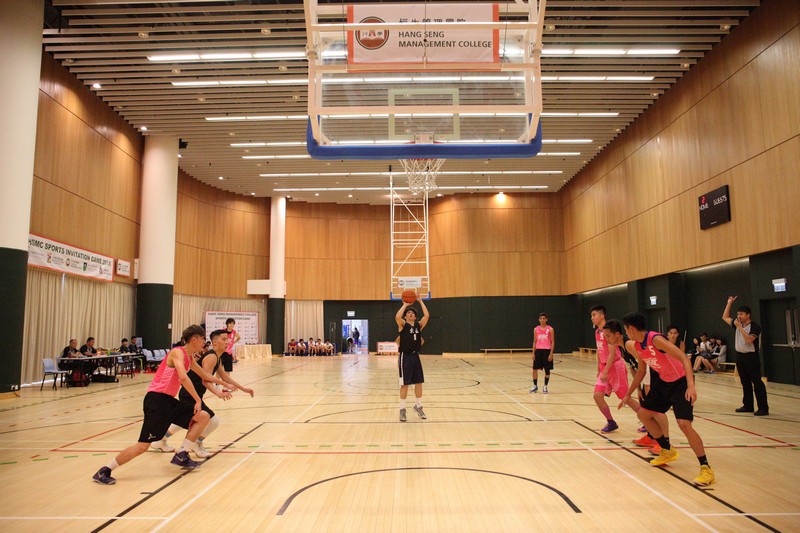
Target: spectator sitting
x,y
124,347
312,346
71,350
301,347
320,347
88,349
134,345
292,348
722,350
707,358
328,347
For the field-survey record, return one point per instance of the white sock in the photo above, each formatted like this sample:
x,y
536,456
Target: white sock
x,y
418,405
402,404
188,445
113,464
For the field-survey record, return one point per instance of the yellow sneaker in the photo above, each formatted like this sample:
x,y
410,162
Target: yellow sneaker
x,y
706,476
665,457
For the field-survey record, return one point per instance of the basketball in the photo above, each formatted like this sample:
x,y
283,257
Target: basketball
x,y
409,297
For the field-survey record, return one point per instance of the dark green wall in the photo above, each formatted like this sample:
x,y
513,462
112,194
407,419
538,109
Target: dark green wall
x,y
693,301
468,324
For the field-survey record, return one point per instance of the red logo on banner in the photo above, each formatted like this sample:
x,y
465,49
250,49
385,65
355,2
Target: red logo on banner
x,y
372,39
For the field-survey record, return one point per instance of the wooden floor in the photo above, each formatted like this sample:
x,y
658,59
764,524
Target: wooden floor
x,y
320,448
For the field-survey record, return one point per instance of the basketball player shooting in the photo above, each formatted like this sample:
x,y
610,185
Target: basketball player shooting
x,y
408,363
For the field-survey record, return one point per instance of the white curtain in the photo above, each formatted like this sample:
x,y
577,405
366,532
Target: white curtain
x,y
188,310
304,318
59,308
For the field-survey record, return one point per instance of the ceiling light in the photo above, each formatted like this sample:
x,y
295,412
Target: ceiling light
x,y
599,51
144,34
349,195
653,51
285,54
265,31
283,68
226,56
69,60
194,83
222,177
176,71
563,154
284,156
252,194
295,97
550,27
201,99
243,82
143,128
96,86
254,118
684,65
724,27
174,57
292,81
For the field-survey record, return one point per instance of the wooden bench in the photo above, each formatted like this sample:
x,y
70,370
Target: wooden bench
x,y
725,366
588,351
486,351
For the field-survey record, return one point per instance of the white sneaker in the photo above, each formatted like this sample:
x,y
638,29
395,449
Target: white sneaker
x,y
201,452
545,389
161,446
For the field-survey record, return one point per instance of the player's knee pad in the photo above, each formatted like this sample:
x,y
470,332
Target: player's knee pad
x,y
211,427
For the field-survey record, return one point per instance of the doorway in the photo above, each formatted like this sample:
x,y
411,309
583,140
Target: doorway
x,y
778,337
655,319
355,336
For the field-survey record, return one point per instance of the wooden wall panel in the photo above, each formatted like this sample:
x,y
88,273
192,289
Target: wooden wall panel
x,y
222,240
733,120
87,170
337,252
482,247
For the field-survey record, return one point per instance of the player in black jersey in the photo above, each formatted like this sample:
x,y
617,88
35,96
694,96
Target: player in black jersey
x,y
211,363
408,364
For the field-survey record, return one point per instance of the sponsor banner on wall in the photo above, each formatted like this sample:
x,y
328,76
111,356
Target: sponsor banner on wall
x,y
123,268
415,45
246,324
54,255
409,282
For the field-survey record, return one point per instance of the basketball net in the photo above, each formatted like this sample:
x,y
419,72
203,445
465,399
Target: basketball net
x,y
422,173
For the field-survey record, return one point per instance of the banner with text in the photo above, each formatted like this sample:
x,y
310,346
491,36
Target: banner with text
x,y
415,45
246,324
54,255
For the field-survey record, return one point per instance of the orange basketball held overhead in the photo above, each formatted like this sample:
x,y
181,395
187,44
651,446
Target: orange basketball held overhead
x,y
409,296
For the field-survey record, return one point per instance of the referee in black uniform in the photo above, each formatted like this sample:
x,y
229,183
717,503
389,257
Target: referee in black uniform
x,y
408,364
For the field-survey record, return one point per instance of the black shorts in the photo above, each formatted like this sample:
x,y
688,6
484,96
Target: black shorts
x,y
540,360
160,410
666,394
227,361
185,416
410,368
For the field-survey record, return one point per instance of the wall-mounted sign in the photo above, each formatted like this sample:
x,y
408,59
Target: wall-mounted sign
x,y
653,300
715,208
779,284
123,268
54,255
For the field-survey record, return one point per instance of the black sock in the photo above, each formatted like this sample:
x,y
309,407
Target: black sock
x,y
663,442
703,460
546,379
535,382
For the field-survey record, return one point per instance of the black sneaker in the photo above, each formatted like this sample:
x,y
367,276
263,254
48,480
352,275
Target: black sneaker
x,y
103,476
761,412
744,410
182,459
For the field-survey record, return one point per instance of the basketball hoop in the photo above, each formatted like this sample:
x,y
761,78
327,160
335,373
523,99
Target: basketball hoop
x,y
422,173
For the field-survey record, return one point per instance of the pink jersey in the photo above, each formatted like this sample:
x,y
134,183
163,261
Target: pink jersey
x,y
166,379
231,341
544,337
668,368
602,349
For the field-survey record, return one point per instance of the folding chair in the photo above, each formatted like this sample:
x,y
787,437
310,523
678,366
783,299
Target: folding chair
x,y
51,368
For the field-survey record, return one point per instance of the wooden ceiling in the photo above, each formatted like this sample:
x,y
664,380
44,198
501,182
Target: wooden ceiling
x,y
108,43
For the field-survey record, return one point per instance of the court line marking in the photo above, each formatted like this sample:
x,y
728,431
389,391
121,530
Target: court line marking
x,y
707,493
33,518
651,490
200,494
747,514
543,419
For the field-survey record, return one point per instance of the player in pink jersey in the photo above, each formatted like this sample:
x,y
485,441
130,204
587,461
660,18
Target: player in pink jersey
x,y
611,373
161,407
544,342
671,385
233,338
